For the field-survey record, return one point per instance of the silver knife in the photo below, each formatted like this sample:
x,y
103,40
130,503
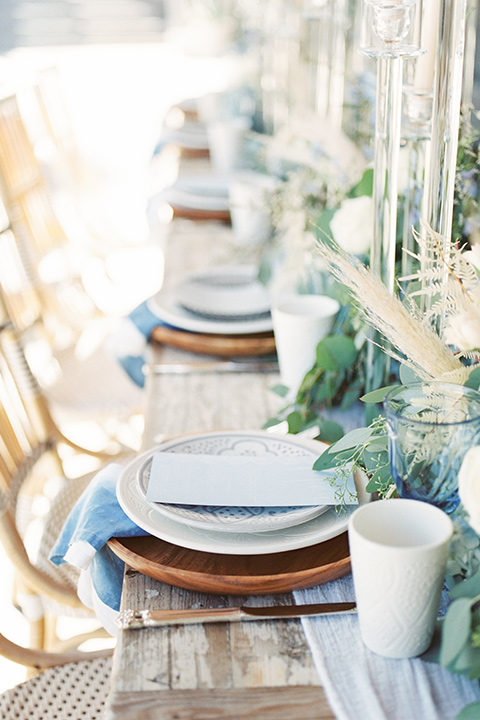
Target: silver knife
x,y
135,619
210,366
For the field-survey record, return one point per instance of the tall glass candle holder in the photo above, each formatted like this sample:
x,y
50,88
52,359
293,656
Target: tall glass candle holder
x,y
447,94
391,40
416,133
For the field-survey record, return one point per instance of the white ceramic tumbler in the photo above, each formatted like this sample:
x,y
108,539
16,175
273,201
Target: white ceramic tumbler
x,y
399,550
299,323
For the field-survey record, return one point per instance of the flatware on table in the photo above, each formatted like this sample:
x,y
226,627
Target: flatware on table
x,y
136,619
217,366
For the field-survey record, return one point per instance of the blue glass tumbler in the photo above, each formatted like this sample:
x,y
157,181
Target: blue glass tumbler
x,y
430,426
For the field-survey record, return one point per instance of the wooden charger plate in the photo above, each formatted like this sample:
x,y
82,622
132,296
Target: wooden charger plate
x,y
222,345
196,214
235,574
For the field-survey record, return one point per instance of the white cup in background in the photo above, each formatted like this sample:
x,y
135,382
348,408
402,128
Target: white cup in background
x,y
249,195
299,323
225,140
399,549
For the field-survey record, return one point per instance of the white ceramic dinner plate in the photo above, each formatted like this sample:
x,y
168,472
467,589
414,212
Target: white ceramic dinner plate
x,y
190,135
228,518
178,197
166,306
131,496
207,185
224,292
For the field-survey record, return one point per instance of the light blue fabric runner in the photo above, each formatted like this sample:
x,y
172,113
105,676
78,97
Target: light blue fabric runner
x,y
361,685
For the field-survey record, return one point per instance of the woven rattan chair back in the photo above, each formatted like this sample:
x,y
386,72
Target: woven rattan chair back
x,y
29,457
32,469
24,184
50,260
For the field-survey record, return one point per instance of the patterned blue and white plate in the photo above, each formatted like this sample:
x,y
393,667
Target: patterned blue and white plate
x,y
228,518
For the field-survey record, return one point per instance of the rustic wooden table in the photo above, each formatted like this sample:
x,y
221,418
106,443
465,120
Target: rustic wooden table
x,y
260,670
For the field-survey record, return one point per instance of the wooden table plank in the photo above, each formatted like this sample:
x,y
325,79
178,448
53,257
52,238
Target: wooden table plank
x,y
300,703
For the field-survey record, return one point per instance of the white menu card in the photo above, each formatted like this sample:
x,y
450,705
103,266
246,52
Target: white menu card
x,y
242,480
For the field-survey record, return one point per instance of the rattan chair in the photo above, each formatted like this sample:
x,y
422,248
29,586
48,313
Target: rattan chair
x,y
52,260
36,494
81,387
43,279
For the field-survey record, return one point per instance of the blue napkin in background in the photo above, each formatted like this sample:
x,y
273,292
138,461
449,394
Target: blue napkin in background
x,y
94,519
129,343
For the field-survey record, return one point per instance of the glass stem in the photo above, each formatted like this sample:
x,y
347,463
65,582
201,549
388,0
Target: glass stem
x,y
385,196
441,171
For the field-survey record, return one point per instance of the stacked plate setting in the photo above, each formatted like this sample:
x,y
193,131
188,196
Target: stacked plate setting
x,y
230,530
227,300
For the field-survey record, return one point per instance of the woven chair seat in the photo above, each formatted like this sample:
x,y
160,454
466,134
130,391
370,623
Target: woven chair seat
x,y
75,691
61,506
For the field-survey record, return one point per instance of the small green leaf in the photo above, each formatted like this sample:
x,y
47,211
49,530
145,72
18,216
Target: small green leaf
x,y
456,630
325,462
473,380
352,394
407,375
467,662
322,223
467,588
377,396
364,186
470,712
381,478
271,423
371,486
330,431
325,358
336,352
295,422
352,439
378,445
371,461
281,390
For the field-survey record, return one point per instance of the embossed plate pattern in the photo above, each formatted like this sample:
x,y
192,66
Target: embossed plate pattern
x,y
238,519
131,496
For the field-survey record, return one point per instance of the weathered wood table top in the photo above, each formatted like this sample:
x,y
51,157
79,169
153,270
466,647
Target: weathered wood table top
x,y
261,670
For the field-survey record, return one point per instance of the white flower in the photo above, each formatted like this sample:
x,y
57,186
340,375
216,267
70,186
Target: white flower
x,y
473,256
463,330
352,225
469,486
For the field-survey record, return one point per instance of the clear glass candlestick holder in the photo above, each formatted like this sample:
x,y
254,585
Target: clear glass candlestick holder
x,y
430,427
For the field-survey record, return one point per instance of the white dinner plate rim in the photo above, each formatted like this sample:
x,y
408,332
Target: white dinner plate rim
x,y
319,529
205,185
169,311
207,300
193,201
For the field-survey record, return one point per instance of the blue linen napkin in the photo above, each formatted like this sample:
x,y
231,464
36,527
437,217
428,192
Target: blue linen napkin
x,y
130,341
94,519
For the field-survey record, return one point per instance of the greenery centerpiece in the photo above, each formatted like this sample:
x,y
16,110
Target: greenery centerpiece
x,y
424,355
418,353
336,382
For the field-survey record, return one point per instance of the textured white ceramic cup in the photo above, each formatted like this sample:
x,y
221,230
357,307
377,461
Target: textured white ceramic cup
x,y
299,323
399,549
